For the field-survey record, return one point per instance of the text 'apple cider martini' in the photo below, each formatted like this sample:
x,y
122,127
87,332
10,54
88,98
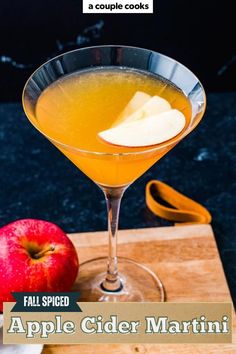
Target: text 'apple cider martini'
x,y
114,122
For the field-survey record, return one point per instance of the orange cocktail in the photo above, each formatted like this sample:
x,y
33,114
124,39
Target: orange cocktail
x,y
74,109
114,111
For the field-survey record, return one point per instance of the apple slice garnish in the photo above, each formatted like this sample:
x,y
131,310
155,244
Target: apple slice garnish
x,y
136,102
141,106
151,130
152,107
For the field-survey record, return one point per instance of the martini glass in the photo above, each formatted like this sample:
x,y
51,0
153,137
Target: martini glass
x,y
113,278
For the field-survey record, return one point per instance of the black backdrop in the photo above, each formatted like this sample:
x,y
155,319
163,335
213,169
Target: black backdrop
x,y
198,33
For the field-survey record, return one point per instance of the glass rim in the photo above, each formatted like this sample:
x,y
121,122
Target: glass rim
x,y
148,149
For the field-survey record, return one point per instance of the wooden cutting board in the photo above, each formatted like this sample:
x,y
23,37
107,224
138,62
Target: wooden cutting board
x,y
187,261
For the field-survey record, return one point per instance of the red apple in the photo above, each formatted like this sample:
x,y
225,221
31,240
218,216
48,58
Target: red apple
x,y
35,255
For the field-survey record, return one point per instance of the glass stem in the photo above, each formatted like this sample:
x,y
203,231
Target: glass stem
x,y
113,196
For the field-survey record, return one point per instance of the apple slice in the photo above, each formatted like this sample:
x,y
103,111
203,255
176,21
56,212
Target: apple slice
x,y
153,106
146,132
136,102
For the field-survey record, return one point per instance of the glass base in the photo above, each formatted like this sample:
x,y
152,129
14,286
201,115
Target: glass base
x,y
139,284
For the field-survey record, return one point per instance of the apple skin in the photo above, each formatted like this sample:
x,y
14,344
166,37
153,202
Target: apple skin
x,y
23,268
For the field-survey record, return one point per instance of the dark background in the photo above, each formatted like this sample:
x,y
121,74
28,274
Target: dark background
x,y
197,33
37,181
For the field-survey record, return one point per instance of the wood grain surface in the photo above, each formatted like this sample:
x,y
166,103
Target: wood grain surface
x,y
187,261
